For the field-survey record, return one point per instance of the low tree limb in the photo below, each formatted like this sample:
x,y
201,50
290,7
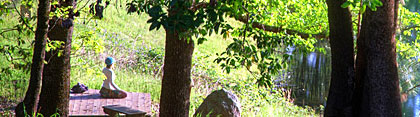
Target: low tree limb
x,y
412,88
274,29
277,29
409,28
199,5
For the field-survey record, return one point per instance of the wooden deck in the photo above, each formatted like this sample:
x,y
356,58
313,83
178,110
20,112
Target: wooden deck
x,y
90,103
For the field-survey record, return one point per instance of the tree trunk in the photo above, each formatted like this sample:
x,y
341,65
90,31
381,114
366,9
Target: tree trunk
x,y
377,91
342,60
54,96
176,82
32,94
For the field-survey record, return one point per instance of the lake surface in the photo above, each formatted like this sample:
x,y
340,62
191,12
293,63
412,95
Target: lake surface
x,y
411,108
309,77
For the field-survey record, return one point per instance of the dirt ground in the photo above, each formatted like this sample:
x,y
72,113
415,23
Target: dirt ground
x,y
6,107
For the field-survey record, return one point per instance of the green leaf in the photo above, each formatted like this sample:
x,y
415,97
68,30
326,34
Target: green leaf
x,y
154,25
377,3
155,11
173,2
363,9
228,69
216,27
201,40
345,4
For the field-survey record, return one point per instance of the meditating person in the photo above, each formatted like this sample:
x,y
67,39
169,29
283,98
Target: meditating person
x,y
109,88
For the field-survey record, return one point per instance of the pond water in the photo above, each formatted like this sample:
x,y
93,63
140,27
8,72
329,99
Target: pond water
x,y
308,78
411,107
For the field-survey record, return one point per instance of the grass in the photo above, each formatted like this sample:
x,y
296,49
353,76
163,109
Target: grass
x,y
126,38
13,82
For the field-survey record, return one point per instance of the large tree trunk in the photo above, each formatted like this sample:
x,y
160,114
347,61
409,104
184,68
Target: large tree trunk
x,y
377,91
342,60
176,82
32,94
54,96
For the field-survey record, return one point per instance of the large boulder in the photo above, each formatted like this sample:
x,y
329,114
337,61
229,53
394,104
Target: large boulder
x,y
219,103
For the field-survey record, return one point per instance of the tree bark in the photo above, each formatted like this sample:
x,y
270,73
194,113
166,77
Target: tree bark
x,y
342,60
54,96
32,94
176,82
377,91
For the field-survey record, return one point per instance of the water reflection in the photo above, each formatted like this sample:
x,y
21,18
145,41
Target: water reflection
x,y
308,77
411,108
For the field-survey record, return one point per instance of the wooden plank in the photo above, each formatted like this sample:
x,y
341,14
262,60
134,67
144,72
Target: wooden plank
x,y
71,105
89,106
136,101
108,101
104,103
80,111
77,103
141,102
96,106
90,103
129,99
124,101
83,105
113,102
148,104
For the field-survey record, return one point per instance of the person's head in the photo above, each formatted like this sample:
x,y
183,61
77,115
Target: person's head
x,y
109,61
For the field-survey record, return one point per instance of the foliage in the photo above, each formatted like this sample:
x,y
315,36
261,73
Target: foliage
x,y
13,85
139,52
372,4
255,101
4,9
150,60
111,37
16,37
199,19
408,48
407,43
266,50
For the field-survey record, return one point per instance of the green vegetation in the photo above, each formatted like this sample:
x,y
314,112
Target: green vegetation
x,y
139,53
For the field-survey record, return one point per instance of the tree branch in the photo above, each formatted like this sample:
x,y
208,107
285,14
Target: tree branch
x,y
7,30
261,26
199,5
411,89
409,28
22,18
276,29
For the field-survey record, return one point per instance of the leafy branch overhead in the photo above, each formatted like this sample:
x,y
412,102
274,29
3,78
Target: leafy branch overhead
x,y
266,30
372,4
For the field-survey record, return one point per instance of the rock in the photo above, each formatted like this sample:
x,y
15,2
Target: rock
x,y
220,103
79,88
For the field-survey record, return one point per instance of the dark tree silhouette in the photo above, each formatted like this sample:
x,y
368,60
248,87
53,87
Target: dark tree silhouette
x,y
54,97
342,60
377,91
32,94
176,81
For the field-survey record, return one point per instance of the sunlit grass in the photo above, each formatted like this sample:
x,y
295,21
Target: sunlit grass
x,y
127,80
